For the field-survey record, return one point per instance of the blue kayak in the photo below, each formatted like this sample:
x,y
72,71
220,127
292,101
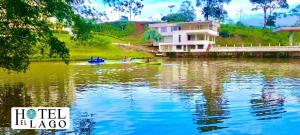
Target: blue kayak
x,y
96,60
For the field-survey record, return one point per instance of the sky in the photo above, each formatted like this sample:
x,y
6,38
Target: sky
x,y
158,8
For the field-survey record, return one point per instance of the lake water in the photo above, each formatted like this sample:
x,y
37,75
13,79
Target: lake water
x,y
180,97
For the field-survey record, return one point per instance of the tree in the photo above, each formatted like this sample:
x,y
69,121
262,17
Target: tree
x,y
128,6
186,13
187,8
24,24
213,9
82,28
269,6
171,8
271,21
152,35
296,12
119,8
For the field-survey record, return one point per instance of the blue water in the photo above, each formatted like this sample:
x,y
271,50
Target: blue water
x,y
180,97
242,103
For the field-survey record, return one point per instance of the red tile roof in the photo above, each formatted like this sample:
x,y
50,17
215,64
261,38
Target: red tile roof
x,y
288,29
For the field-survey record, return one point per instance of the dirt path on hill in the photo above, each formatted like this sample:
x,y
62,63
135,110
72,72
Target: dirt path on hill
x,y
140,29
137,48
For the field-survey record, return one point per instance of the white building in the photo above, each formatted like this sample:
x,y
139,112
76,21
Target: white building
x,y
197,36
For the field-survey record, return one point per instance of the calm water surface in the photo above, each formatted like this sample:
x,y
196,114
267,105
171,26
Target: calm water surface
x,y
180,97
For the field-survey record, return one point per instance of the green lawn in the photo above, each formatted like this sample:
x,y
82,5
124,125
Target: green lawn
x,y
99,46
250,35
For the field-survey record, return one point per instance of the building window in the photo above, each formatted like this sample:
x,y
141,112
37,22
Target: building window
x,y
200,37
163,29
199,27
200,46
193,47
179,27
178,47
189,37
174,28
179,38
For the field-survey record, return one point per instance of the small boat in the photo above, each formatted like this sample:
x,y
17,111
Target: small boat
x,y
96,61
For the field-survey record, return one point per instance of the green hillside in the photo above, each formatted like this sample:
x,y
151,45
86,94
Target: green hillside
x,y
101,45
232,34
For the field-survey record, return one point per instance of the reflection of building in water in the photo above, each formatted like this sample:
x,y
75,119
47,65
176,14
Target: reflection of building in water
x,y
268,105
201,77
192,75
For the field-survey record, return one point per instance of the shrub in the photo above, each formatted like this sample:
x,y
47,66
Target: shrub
x,y
225,33
152,35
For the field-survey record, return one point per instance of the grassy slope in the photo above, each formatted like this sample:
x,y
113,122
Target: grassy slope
x,y
246,35
99,46
102,44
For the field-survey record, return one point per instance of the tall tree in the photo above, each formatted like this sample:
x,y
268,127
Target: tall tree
x,y
185,13
132,7
296,12
171,8
24,24
213,9
269,6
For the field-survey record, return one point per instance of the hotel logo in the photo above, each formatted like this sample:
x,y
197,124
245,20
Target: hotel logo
x,y
40,118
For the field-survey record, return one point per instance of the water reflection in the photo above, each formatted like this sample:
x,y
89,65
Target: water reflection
x,y
211,111
269,104
12,96
199,96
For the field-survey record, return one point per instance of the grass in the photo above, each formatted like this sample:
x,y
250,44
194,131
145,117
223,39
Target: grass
x,y
99,46
250,35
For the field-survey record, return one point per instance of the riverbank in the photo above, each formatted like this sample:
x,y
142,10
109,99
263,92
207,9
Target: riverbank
x,y
256,55
100,46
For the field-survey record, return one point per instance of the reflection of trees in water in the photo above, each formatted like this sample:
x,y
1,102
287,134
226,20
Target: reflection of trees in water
x,y
212,111
12,96
268,105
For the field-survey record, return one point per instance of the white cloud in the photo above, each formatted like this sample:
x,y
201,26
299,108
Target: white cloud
x,y
156,9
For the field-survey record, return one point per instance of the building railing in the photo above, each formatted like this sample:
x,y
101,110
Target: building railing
x,y
255,48
260,45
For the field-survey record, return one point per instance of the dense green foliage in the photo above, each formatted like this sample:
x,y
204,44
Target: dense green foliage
x,y
82,28
25,28
186,13
117,29
213,9
238,35
152,35
23,24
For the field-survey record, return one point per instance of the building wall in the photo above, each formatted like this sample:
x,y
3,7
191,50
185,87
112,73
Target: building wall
x,y
171,41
